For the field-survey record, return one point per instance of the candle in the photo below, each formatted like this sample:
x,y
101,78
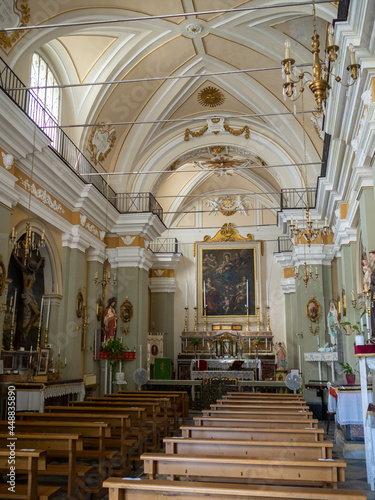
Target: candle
x,y
59,351
353,295
247,293
287,50
267,294
41,313
362,326
258,293
30,359
195,301
330,36
48,313
352,55
186,294
14,304
65,361
318,340
31,348
299,358
204,294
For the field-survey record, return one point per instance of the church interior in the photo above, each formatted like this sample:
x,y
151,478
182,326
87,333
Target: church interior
x,y
186,190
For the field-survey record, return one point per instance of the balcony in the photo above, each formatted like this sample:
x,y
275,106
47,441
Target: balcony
x,y
164,245
297,198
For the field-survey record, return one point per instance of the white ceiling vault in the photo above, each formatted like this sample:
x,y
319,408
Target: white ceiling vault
x,y
178,46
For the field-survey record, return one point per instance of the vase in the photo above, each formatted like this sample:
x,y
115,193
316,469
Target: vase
x,y
359,340
350,379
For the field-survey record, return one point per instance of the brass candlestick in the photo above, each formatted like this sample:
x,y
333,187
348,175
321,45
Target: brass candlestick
x,y
205,319
46,337
195,318
268,319
11,348
38,340
186,319
247,318
258,318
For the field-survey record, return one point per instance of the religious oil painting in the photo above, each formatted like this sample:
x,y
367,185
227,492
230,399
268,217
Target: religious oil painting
x,y
227,280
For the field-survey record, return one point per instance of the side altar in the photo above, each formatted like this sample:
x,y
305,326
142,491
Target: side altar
x,y
227,343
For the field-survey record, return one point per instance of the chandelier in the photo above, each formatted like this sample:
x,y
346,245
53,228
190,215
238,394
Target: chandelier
x,y
28,244
319,81
308,233
106,279
307,274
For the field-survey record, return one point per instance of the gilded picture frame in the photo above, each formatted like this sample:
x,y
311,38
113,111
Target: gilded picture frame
x,y
343,294
43,360
313,309
3,275
126,311
99,309
79,304
227,275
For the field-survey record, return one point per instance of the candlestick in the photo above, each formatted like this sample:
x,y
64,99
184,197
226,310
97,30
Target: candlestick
x,y
247,318
267,301
268,319
186,319
41,313
195,301
46,337
11,348
204,294
247,295
258,301
205,319
195,318
38,339
258,318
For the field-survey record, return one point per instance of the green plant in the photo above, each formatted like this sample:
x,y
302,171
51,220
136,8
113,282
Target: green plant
x,y
257,340
347,369
355,326
196,341
114,348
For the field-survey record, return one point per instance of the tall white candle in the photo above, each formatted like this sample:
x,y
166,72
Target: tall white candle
x,y
186,296
195,302
258,301
48,313
247,293
14,304
267,294
204,294
41,313
299,358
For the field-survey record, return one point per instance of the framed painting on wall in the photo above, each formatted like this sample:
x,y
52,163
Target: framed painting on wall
x,y
227,278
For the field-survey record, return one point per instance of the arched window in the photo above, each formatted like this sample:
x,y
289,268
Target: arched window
x,y
44,106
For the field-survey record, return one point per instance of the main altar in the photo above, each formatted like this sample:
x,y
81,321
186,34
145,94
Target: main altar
x,y
216,351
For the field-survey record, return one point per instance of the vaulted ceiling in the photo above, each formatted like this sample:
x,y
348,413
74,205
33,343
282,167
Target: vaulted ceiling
x,y
156,156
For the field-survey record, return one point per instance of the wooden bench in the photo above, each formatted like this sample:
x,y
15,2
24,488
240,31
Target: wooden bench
x,y
137,417
258,407
30,461
258,434
255,422
145,489
51,442
267,415
181,397
262,402
266,395
292,472
279,450
117,442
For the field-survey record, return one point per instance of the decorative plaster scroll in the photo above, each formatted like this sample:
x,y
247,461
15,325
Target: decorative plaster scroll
x,y
367,100
83,219
42,195
101,141
8,160
228,233
12,13
159,272
217,125
228,205
128,240
91,228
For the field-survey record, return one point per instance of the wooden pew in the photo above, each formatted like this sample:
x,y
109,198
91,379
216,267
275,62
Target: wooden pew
x,y
292,472
152,414
29,461
267,395
118,441
181,396
258,434
145,489
51,442
136,414
255,422
267,415
278,450
262,402
258,407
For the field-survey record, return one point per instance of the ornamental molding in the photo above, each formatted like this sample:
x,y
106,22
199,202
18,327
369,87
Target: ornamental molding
x,y
159,272
194,28
101,142
91,228
42,195
128,240
228,233
12,13
8,160
228,205
217,125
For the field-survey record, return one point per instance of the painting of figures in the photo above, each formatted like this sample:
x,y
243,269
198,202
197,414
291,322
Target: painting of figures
x,y
228,280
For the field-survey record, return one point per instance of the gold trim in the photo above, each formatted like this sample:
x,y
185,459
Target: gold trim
x,y
228,233
79,304
126,310
314,317
21,8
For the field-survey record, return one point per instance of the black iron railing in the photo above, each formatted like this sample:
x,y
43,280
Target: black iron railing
x,y
284,244
66,150
164,245
297,198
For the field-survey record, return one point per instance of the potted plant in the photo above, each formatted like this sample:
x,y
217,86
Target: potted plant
x,y
357,327
115,349
196,341
349,373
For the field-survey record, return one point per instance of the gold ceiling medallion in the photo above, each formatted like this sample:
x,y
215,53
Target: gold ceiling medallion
x,y
211,96
223,162
18,14
101,142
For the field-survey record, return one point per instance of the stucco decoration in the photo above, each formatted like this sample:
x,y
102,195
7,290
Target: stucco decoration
x,y
12,13
100,143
